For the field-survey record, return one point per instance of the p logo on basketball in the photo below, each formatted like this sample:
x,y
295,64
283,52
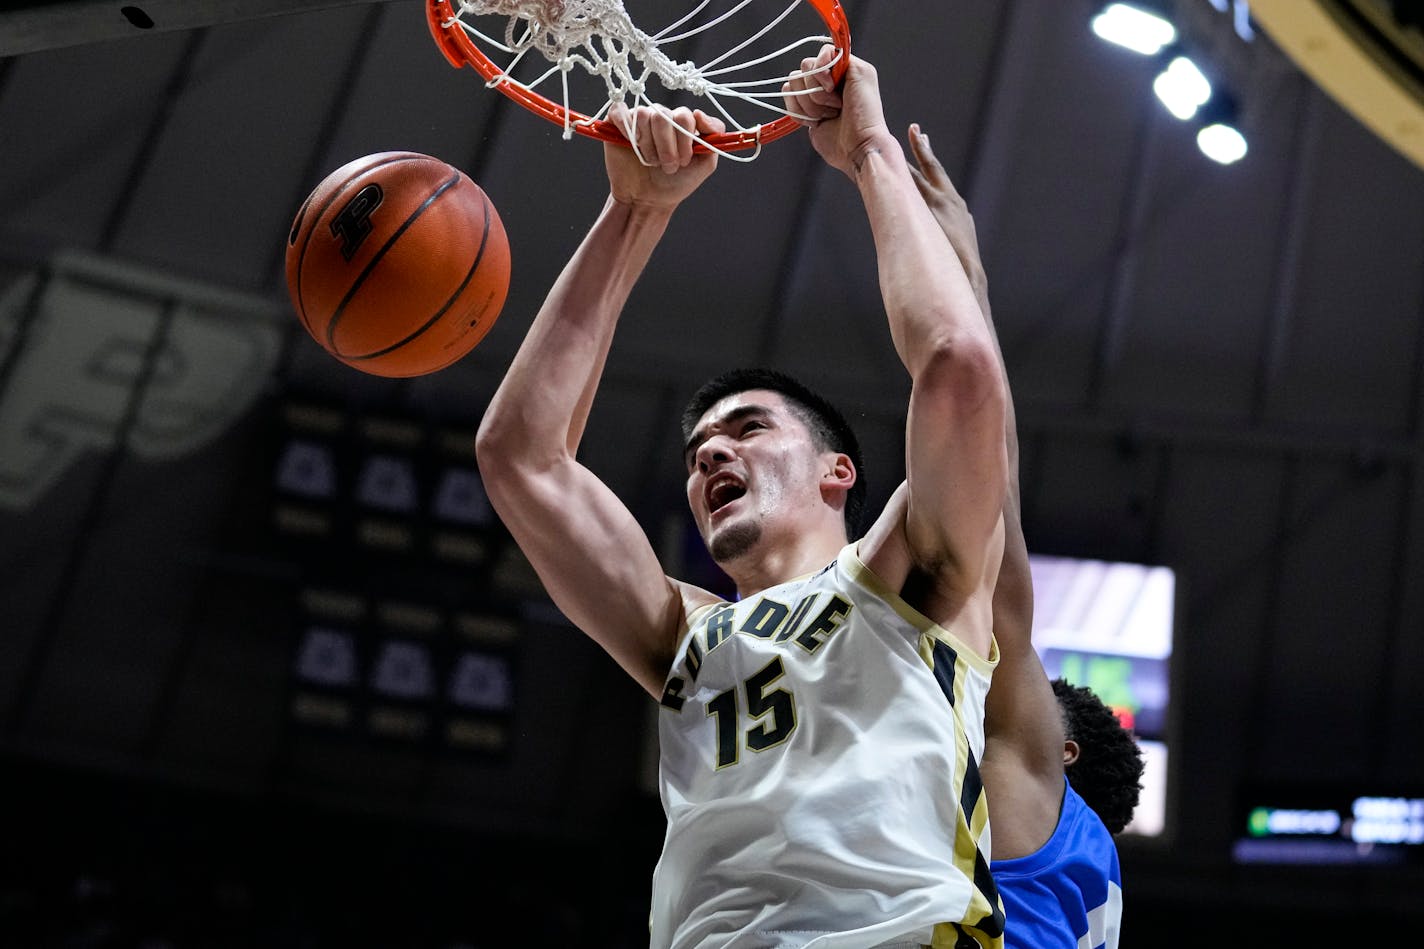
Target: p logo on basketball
x,y
354,222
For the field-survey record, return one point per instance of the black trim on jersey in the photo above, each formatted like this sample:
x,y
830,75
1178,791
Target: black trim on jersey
x,y
945,660
971,792
964,939
993,925
973,787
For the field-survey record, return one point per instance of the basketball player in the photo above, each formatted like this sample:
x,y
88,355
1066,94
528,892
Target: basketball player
x,y
819,736
1054,859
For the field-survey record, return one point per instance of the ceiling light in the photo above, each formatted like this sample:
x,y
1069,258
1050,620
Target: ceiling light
x,y
1182,88
1135,28
1219,131
1222,143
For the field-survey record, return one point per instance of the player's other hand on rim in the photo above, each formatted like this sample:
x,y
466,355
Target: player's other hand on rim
x,y
660,166
845,122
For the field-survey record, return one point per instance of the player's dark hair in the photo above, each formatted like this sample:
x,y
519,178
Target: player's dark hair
x,y
1108,772
828,427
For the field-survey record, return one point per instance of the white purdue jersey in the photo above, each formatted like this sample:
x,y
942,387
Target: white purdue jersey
x,y
819,772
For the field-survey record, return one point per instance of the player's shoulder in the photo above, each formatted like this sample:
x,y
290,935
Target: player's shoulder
x,y
884,548
887,550
695,602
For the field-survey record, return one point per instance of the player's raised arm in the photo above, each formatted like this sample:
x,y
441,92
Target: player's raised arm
x,y
1023,725
592,556
947,518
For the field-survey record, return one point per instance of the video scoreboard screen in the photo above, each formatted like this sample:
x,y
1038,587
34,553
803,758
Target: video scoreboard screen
x,y
1109,626
1329,826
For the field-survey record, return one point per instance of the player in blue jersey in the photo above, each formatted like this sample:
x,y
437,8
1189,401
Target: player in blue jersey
x,y
1061,771
820,735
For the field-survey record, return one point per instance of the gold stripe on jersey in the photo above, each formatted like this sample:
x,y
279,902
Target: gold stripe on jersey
x,y
973,818
867,578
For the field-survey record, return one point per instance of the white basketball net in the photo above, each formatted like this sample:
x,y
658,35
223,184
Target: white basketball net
x,y
599,37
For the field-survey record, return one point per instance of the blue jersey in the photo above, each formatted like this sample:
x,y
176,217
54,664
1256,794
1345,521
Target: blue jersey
x,y
1068,893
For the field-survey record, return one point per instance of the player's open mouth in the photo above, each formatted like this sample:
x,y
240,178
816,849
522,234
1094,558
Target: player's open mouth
x,y
722,491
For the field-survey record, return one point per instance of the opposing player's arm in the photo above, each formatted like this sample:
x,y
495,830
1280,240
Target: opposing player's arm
x,y
589,551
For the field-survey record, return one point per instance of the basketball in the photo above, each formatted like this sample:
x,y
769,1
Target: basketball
x,y
398,264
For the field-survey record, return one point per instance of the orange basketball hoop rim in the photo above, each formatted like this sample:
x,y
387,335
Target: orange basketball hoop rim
x,y
460,50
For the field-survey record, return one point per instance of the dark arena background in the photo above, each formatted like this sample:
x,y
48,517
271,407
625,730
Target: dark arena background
x,y
271,672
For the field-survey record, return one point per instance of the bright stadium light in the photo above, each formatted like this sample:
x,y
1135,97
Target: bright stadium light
x,y
1222,143
1134,28
1219,131
1182,88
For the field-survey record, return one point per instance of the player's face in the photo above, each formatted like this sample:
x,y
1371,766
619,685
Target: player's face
x,y
752,468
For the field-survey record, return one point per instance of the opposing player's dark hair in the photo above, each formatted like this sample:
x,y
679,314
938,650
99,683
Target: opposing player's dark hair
x,y
1108,772
828,426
